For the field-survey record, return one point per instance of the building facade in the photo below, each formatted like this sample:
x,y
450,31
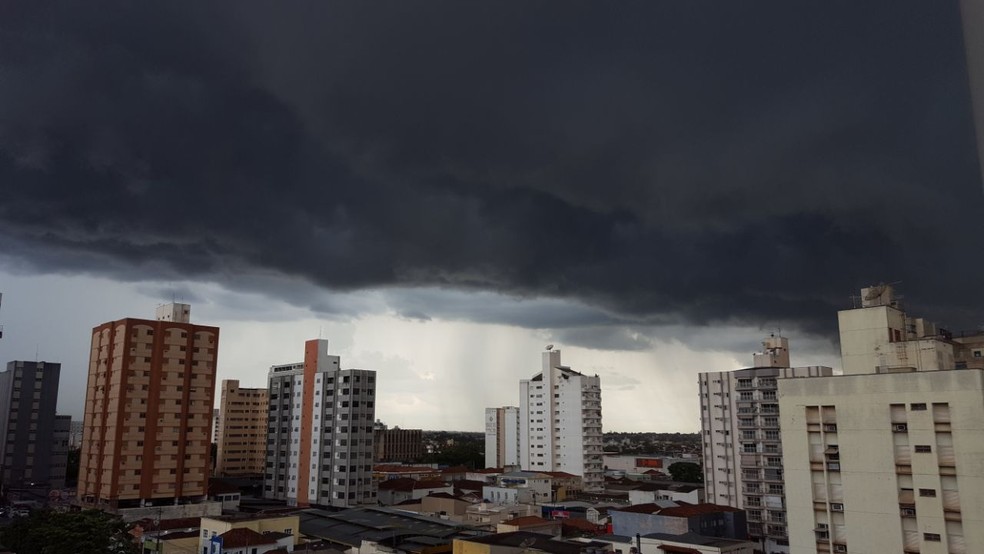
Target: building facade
x,y
502,436
34,451
397,445
241,433
886,458
560,425
148,408
742,446
320,434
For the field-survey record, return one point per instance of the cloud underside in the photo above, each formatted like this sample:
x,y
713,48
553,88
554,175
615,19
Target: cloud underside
x,y
641,164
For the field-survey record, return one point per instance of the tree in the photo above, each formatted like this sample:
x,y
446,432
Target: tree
x,y
87,532
687,472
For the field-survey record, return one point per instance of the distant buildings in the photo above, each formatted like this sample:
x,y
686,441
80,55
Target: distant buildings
x,y
35,446
397,445
887,456
560,425
743,454
502,437
241,435
148,408
320,434
75,435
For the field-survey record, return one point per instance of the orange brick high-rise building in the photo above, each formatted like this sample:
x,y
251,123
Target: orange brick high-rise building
x,y
148,412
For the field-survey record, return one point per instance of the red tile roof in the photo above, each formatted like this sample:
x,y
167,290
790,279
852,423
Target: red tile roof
x,y
526,521
442,495
558,474
243,536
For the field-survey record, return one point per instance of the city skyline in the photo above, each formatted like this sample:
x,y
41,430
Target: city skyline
x,y
440,190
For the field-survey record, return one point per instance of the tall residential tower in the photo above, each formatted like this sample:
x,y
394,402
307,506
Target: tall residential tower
x,y
320,434
743,457
241,431
148,408
34,451
887,456
502,436
560,425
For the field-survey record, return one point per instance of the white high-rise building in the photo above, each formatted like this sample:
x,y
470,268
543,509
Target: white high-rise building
x,y
320,435
887,457
743,458
560,426
502,436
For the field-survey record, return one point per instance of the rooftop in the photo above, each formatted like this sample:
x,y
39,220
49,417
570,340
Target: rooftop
x,y
682,509
536,541
232,518
244,536
526,521
407,484
351,527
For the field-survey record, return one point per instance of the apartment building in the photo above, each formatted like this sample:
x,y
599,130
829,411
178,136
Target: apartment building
x,y
241,431
148,408
320,432
886,458
397,445
502,436
560,429
34,452
742,447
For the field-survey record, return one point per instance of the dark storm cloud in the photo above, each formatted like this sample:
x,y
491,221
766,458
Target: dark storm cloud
x,y
715,161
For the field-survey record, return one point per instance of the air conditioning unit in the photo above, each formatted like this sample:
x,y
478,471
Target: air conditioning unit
x,y
836,507
900,428
840,548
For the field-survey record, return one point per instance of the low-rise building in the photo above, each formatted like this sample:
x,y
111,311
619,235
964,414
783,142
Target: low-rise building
x,y
649,492
487,515
395,491
382,530
523,542
281,531
520,487
532,524
243,540
677,518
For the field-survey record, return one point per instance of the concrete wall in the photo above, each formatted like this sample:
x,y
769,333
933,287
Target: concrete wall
x,y
202,509
877,466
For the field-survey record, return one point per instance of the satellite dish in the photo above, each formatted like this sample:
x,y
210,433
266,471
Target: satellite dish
x,y
549,347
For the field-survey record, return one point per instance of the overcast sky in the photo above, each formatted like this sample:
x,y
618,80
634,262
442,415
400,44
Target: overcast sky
x,y
442,188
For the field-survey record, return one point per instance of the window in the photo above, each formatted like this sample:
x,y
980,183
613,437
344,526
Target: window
x,y
934,537
923,448
917,406
927,492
